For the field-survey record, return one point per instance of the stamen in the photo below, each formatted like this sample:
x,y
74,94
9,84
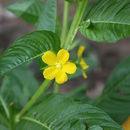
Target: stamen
x,y
58,65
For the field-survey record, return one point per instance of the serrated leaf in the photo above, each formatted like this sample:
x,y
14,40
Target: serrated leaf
x,y
115,99
73,1
95,127
56,112
27,48
107,21
18,86
32,11
47,19
28,10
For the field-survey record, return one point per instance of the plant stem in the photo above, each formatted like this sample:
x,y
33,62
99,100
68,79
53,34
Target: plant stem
x,y
56,87
65,23
11,117
37,94
75,24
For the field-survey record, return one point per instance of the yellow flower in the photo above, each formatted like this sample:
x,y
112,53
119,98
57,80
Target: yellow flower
x,y
82,61
59,66
126,124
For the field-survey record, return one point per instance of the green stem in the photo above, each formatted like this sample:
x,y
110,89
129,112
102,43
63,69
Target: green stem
x,y
75,24
3,120
65,23
37,94
56,87
12,117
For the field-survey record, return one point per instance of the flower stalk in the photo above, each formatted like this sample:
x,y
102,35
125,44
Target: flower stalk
x,y
56,88
37,94
65,23
76,22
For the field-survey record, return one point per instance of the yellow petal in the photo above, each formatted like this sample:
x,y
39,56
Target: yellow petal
x,y
63,56
83,64
69,67
126,124
80,51
49,58
50,73
61,77
84,74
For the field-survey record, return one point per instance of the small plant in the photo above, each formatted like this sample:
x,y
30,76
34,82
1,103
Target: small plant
x,y
23,106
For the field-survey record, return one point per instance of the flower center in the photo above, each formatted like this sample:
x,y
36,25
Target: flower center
x,y
58,65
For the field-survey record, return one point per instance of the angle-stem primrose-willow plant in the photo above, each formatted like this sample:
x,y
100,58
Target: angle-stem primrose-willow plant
x,y
23,106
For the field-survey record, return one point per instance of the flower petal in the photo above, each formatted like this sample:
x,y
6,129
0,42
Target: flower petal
x,y
126,124
69,68
50,73
84,74
61,77
63,56
49,58
80,51
83,64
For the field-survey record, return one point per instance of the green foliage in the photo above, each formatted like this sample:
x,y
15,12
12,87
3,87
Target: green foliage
x,y
103,20
27,48
115,99
107,21
56,112
34,12
3,127
95,127
19,83
47,19
28,10
78,92
73,1
17,88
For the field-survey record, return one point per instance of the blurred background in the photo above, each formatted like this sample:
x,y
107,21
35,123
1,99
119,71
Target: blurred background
x,y
105,56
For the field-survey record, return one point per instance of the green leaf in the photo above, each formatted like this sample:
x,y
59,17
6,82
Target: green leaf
x,y
32,11
27,48
28,10
107,21
3,127
78,92
95,128
18,86
47,19
72,1
115,99
56,112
